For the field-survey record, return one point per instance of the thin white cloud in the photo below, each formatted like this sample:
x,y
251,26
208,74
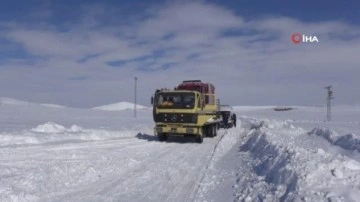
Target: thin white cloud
x,y
190,17
178,41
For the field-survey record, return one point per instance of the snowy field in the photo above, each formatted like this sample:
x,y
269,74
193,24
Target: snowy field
x,y
54,153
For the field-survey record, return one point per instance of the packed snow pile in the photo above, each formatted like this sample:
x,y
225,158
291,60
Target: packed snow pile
x,y
49,127
348,141
283,163
119,106
268,163
55,133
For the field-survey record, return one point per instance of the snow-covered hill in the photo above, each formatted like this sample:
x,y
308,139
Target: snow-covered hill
x,y
66,154
119,106
12,101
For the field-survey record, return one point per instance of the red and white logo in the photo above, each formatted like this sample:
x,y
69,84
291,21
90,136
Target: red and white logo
x,y
298,38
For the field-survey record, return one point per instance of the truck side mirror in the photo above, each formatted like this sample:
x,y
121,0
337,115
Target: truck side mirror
x,y
152,100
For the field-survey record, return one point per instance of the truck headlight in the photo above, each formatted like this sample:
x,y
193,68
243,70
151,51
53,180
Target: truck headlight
x,y
159,130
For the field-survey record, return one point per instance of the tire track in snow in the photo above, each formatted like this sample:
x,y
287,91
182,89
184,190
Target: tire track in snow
x,y
168,172
184,181
54,166
228,140
109,181
208,164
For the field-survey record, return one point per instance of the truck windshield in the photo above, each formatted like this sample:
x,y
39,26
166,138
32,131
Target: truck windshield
x,y
176,100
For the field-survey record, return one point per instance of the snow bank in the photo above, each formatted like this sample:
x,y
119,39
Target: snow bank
x,y
284,163
348,141
273,178
265,171
329,177
49,127
54,133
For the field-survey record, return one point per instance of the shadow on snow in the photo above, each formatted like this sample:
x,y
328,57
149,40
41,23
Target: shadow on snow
x,y
170,139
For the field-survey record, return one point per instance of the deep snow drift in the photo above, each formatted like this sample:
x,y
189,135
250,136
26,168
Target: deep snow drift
x,y
64,154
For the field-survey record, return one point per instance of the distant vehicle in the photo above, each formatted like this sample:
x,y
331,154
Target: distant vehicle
x,y
188,110
226,112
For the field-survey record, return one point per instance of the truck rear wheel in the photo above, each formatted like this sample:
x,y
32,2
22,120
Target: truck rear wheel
x,y
211,130
162,137
215,130
200,138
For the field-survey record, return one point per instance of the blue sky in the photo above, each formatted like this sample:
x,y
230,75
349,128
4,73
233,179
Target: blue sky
x,y
87,53
305,9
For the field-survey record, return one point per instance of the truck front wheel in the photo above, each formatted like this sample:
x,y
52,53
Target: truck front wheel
x,y
200,137
162,137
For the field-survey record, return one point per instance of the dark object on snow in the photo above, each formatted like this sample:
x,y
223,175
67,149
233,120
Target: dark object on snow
x,y
233,117
283,108
226,121
226,114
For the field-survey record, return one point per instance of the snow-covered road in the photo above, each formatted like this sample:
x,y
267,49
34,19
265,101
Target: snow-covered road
x,y
135,168
66,154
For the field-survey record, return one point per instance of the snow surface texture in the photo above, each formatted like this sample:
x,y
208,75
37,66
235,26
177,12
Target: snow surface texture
x,y
64,154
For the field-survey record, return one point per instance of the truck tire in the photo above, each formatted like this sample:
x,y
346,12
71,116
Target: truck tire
x,y
200,137
208,131
231,125
162,137
212,130
215,130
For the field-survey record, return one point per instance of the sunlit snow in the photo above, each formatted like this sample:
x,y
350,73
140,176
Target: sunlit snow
x,y
66,154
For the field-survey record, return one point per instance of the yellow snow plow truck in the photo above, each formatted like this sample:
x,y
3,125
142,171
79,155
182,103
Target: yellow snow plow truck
x,y
190,109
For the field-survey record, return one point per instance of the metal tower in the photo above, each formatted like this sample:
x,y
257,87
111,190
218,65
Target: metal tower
x,y
328,99
135,96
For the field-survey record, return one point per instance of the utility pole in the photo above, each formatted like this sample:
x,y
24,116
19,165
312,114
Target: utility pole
x,y
328,99
135,96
